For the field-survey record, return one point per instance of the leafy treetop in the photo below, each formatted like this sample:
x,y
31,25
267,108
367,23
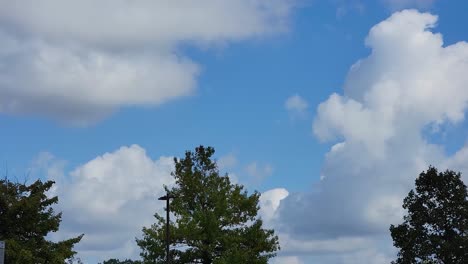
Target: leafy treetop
x,y
435,229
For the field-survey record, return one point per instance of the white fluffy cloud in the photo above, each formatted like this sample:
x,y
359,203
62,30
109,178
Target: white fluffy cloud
x,y
122,23
409,82
269,203
78,61
80,85
110,199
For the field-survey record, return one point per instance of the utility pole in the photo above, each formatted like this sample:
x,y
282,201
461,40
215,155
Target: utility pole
x,y
2,252
167,198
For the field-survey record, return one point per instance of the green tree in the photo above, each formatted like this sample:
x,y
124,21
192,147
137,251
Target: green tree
x,y
26,217
435,229
215,221
117,261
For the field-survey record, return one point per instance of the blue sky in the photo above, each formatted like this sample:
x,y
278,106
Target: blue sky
x,y
74,92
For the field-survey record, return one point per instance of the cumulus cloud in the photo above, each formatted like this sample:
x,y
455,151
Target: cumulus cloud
x,y
410,81
269,203
80,86
110,199
296,105
78,61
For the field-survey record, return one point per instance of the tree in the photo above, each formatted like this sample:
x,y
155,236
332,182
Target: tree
x,y
74,260
215,221
435,229
26,217
117,261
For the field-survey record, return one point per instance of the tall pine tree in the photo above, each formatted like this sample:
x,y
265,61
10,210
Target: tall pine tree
x,y
215,220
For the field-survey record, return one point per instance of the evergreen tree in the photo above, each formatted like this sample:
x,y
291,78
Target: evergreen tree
x,y
26,217
215,221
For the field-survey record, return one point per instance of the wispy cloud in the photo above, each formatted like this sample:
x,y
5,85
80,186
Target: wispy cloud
x,y
227,161
401,4
259,172
296,106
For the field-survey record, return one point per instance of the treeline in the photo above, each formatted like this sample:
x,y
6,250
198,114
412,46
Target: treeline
x,y
216,221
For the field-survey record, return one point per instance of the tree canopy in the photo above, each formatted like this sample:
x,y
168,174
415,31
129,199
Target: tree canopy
x,y
435,229
117,261
26,218
215,220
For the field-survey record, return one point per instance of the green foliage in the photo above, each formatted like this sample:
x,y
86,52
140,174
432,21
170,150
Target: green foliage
x,y
26,217
215,221
74,260
116,261
435,230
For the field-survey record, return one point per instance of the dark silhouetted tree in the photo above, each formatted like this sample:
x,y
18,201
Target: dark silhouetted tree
x,y
435,229
215,221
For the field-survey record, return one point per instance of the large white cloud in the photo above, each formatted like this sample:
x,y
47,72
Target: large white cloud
x,y
79,85
80,60
110,199
146,22
410,82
